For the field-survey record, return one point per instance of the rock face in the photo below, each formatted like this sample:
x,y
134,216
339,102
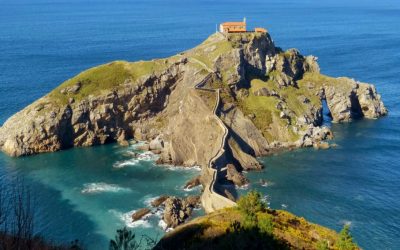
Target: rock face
x,y
268,99
236,177
353,100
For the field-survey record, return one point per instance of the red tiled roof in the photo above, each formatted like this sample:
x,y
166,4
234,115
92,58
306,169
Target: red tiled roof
x,y
233,24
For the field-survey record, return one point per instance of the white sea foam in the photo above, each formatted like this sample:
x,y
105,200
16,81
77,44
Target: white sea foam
x,y
122,164
266,199
127,219
164,226
102,187
244,187
346,222
130,153
198,187
267,184
146,156
149,200
138,144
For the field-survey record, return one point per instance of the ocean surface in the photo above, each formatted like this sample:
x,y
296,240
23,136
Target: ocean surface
x,y
87,193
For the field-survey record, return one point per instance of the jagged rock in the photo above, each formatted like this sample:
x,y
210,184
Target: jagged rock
x,y
160,200
193,182
156,144
192,201
178,210
140,213
236,177
353,100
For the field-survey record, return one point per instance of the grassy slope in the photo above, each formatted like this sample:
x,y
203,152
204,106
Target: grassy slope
x,y
289,231
106,77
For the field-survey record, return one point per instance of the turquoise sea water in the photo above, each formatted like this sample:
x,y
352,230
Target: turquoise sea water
x,y
42,43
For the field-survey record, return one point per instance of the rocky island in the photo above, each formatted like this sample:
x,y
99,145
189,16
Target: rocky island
x,y
220,105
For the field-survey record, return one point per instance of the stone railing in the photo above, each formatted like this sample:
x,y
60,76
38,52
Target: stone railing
x,y
211,199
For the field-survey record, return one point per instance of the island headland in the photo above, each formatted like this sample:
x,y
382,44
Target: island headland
x,y
233,98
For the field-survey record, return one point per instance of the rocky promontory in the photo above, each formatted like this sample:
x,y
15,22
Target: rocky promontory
x,y
236,95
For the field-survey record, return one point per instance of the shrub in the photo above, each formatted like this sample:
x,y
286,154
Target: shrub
x,y
265,223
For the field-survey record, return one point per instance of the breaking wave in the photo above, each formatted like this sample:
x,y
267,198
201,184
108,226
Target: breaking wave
x,y
178,168
126,218
122,164
101,187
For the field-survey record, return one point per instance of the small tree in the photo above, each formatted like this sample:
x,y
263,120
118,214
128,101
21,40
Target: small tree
x,y
345,241
124,240
249,205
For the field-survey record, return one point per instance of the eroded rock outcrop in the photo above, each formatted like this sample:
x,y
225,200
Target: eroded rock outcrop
x,y
177,210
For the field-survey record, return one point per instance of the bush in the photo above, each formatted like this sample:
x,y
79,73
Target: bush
x,y
265,224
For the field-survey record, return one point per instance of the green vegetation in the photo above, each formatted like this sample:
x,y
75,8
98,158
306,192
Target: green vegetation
x,y
207,54
124,240
251,225
345,241
322,245
253,210
105,77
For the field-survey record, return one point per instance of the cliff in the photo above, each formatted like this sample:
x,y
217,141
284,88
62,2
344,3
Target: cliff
x,y
230,99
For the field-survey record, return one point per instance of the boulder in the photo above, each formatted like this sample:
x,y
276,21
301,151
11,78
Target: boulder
x,y
159,201
140,213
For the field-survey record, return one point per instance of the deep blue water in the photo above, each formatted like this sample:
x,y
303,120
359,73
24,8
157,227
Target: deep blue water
x,y
42,43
